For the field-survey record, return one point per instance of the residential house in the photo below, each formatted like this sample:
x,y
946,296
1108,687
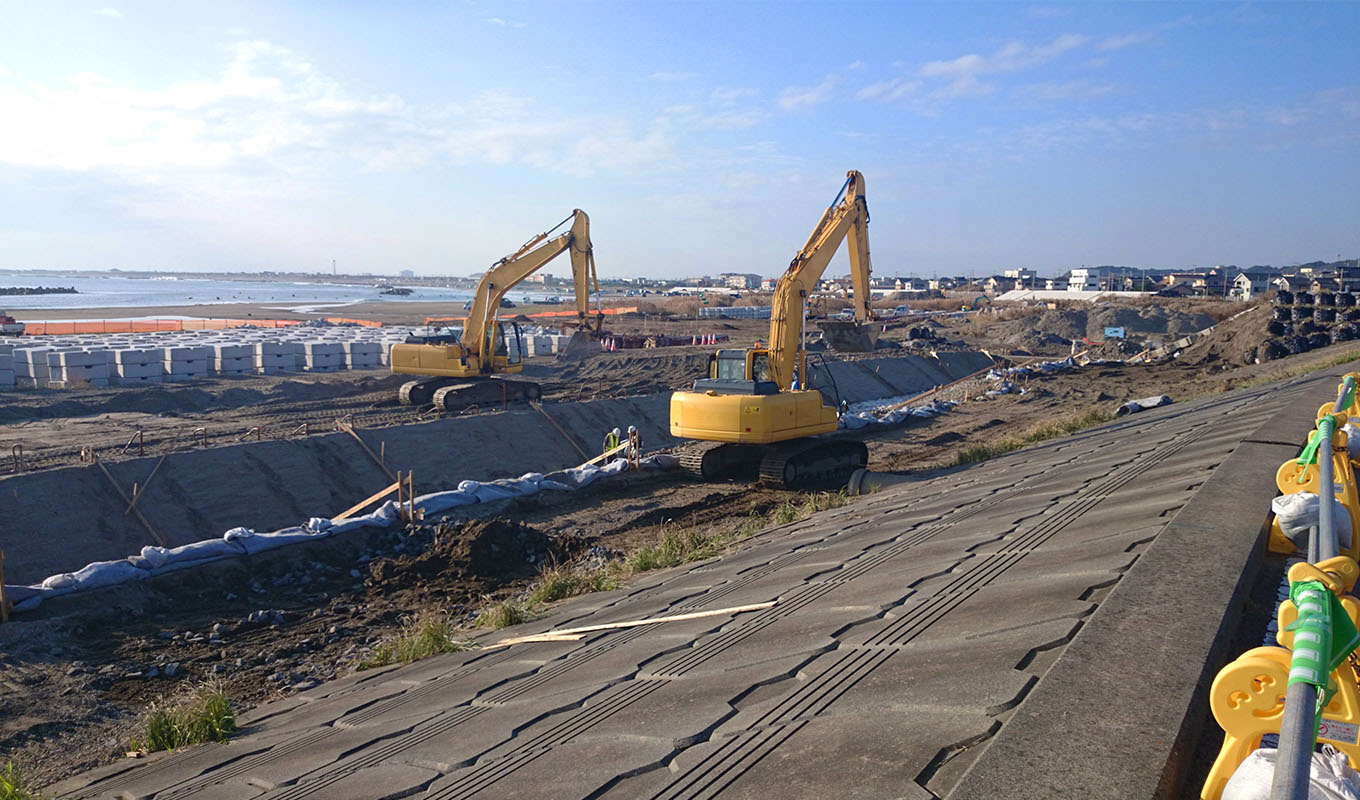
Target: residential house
x,y
997,284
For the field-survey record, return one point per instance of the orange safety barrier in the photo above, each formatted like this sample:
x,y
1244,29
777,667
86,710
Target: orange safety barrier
x,y
152,325
607,311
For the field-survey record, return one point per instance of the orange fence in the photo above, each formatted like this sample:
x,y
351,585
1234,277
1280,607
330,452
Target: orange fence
x,y
607,312
149,325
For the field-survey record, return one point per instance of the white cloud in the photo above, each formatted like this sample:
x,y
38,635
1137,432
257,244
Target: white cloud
x,y
1063,90
889,90
1121,42
1048,12
963,75
504,23
726,96
797,98
270,111
111,13
672,76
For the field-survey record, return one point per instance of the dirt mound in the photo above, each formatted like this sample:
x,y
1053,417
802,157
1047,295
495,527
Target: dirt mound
x,y
1149,320
469,558
1236,340
1051,328
1048,329
629,372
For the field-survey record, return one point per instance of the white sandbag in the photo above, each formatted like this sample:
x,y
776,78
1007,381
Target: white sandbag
x,y
237,533
1298,512
1331,779
1352,441
155,556
1134,406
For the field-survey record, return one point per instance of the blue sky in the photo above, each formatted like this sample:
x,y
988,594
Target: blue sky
x,y
700,137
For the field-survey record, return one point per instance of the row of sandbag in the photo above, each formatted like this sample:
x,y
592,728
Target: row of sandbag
x,y
153,561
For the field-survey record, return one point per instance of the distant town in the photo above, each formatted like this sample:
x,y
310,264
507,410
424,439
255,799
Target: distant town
x,y
1231,282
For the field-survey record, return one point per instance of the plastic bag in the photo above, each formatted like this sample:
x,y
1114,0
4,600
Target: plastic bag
x,y
1331,779
1297,512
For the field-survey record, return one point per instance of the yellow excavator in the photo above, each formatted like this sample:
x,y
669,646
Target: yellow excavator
x,y
465,364
757,410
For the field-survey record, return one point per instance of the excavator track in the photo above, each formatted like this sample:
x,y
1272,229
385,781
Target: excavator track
x,y
421,393
716,461
811,463
486,393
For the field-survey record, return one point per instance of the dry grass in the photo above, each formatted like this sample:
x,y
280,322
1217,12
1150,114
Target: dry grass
x,y
1052,430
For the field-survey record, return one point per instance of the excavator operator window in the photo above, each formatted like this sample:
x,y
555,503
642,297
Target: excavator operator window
x,y
728,365
760,367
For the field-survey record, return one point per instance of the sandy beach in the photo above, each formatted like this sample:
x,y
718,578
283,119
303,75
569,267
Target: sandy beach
x,y
389,313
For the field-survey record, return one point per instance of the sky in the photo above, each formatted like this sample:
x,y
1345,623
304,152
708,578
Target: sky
x,y
699,137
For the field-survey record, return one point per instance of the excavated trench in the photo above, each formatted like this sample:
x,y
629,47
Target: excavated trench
x,y
58,520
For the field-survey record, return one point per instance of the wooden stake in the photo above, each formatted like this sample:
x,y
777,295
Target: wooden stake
x,y
154,533
4,601
376,460
137,493
571,441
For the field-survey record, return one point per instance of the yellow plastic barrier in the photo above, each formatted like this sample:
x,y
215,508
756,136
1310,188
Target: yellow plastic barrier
x,y
1291,478
1247,696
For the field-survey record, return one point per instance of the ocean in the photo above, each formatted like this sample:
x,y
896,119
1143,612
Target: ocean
x,y
105,291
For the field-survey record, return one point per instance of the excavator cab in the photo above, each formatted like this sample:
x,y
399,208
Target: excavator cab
x,y
509,344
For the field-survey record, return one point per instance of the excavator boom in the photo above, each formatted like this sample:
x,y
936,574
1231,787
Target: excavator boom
x,y
487,347
754,411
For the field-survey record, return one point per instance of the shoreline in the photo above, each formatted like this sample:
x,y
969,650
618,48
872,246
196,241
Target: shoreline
x,y
388,313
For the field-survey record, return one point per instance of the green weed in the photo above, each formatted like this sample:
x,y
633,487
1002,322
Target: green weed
x,y
560,582
13,785
504,614
205,715
429,634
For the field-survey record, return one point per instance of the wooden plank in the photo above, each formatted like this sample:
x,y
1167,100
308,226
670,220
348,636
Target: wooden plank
x,y
154,533
137,493
569,634
606,454
361,505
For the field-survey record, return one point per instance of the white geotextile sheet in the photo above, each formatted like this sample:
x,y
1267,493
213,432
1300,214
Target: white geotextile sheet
x,y
154,561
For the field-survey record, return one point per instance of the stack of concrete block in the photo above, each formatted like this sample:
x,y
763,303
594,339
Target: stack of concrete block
x,y
6,366
233,359
322,356
188,363
138,365
30,366
69,368
272,358
362,355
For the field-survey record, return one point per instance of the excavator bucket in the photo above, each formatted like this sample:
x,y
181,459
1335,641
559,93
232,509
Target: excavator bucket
x,y
848,336
581,345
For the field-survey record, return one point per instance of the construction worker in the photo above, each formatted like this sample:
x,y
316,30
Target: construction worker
x,y
634,447
611,440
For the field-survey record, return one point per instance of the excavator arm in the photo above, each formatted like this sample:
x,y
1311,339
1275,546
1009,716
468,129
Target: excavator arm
x,y
504,275
846,218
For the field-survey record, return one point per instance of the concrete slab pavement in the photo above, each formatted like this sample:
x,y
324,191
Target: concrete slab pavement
x,y
1043,624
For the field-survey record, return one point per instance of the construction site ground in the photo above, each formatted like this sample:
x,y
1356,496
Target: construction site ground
x,y
79,670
